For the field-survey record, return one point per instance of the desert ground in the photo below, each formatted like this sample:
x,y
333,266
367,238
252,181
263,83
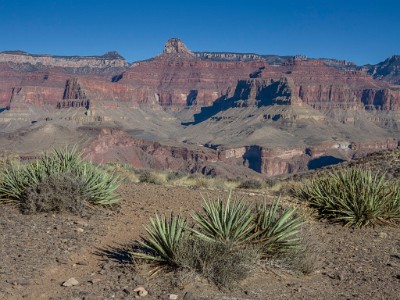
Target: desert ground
x,y
41,251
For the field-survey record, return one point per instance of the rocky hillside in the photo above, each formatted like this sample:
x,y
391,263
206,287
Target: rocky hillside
x,y
388,70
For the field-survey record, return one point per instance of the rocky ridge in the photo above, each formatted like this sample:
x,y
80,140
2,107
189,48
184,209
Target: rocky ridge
x,y
109,59
388,70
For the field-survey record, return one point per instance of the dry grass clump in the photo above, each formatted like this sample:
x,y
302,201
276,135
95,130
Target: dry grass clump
x,y
355,197
175,175
252,184
153,177
126,172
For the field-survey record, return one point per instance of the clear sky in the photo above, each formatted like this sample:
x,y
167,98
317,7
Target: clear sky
x,y
360,31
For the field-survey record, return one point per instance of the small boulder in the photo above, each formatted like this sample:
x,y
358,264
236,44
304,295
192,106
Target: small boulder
x,y
141,291
70,282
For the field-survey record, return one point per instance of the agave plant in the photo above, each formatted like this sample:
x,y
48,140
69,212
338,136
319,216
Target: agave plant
x,y
231,223
164,237
276,233
355,197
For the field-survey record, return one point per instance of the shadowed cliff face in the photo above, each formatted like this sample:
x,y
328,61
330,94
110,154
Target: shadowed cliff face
x,y
266,114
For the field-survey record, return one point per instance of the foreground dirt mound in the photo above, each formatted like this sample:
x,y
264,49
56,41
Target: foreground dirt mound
x,y
40,252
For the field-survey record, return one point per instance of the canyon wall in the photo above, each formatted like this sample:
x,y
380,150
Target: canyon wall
x,y
267,161
208,83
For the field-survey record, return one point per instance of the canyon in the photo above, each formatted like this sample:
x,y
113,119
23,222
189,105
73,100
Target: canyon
x,y
221,114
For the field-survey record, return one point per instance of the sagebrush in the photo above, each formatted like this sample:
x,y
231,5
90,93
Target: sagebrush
x,y
56,193
217,261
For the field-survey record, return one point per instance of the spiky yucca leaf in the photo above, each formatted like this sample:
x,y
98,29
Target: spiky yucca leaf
x,y
164,237
231,223
276,232
355,197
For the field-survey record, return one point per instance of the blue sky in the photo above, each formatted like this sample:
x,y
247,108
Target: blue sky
x,y
360,31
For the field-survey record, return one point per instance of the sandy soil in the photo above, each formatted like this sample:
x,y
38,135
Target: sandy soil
x,y
40,252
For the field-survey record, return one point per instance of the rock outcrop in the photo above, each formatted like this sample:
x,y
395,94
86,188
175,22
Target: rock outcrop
x,y
108,60
388,70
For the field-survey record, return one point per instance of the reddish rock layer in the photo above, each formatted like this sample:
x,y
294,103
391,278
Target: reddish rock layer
x,y
264,160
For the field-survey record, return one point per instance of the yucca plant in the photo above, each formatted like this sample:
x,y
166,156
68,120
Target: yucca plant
x,y
14,180
164,237
231,223
355,197
276,233
99,186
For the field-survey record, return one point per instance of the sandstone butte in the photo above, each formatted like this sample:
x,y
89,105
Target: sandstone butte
x,y
218,113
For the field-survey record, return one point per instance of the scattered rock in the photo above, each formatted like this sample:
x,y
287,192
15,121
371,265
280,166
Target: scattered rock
x,y
79,230
81,223
70,282
19,281
141,291
173,296
188,296
383,235
94,280
82,263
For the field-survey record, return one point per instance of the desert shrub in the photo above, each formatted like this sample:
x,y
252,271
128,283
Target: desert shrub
x,y
164,237
175,175
58,193
250,184
354,197
98,186
216,261
304,258
148,176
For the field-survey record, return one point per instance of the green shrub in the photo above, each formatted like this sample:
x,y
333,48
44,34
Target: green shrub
x,y
98,186
164,238
216,261
354,197
250,184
